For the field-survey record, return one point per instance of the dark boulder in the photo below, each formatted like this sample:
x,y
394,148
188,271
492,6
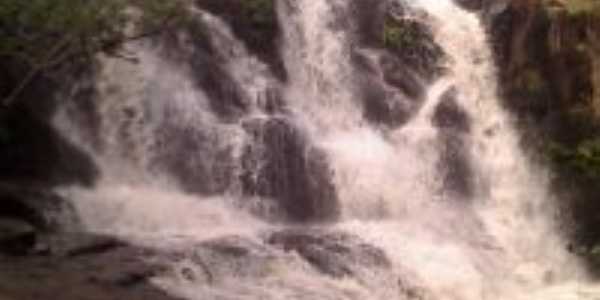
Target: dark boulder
x,y
197,157
408,36
398,74
456,169
42,209
33,151
16,237
449,116
280,164
84,267
454,125
255,22
191,48
336,254
396,58
384,106
470,4
226,257
369,21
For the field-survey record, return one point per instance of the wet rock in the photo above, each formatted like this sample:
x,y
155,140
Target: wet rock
x,y
408,37
225,97
397,74
114,273
396,58
91,267
456,168
368,21
280,164
16,237
254,22
217,260
33,151
391,93
454,125
385,107
80,245
192,48
41,208
336,254
450,116
199,158
271,102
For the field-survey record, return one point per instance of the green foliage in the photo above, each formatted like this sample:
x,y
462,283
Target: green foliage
x,y
30,28
531,81
579,7
574,7
44,34
397,35
584,158
260,12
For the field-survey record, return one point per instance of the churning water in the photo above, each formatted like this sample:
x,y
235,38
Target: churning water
x,y
323,203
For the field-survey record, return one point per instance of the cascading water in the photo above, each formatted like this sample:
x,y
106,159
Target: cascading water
x,y
445,206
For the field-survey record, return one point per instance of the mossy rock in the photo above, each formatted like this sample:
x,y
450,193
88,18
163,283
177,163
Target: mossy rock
x,y
412,42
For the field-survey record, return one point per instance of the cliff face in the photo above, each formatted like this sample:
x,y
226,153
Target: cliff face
x,y
548,55
546,60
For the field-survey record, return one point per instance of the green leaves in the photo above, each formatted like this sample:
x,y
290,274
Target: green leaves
x,y
584,158
31,27
574,7
44,34
398,34
392,34
261,12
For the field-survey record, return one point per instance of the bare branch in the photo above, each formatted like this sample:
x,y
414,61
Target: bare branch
x,y
35,70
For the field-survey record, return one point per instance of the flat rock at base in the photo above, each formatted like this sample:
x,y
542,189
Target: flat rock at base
x,y
337,254
16,237
89,267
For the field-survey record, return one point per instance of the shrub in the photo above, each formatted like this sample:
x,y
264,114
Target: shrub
x,y
43,34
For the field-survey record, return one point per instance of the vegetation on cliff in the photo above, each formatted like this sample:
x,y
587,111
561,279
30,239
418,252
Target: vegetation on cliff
x,y
42,35
578,7
548,52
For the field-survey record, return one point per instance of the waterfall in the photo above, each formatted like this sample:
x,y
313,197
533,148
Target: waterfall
x,y
300,193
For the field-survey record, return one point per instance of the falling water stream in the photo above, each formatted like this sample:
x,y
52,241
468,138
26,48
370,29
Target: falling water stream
x,y
412,236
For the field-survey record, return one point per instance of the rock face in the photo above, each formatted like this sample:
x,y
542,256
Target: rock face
x,y
33,152
42,209
280,164
255,22
335,254
454,126
548,59
82,267
16,237
90,267
28,213
396,58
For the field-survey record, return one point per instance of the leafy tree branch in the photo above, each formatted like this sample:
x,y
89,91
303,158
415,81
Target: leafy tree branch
x,y
45,34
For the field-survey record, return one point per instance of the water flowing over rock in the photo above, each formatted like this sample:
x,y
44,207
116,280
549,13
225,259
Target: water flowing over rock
x,y
278,165
306,149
